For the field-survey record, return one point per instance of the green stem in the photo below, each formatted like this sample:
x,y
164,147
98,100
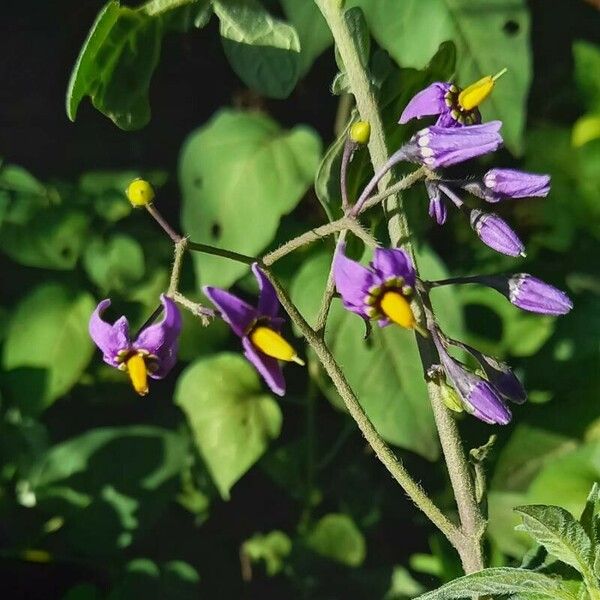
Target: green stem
x,y
381,449
468,544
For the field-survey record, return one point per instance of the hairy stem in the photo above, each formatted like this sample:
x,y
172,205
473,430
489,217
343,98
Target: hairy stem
x,y
468,544
381,449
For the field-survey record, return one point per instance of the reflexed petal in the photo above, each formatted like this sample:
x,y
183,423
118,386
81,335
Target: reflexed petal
x,y
352,281
393,262
161,338
268,367
437,207
238,314
268,304
429,101
534,295
496,233
511,183
111,339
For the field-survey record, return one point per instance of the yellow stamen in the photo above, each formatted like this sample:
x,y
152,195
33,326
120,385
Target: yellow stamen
x,y
136,368
474,94
397,308
272,344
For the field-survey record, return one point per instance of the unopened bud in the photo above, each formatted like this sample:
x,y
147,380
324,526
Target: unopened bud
x,y
360,132
139,192
451,398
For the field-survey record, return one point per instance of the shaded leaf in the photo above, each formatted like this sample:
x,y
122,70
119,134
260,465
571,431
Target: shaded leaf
x,y
587,72
272,548
335,536
49,331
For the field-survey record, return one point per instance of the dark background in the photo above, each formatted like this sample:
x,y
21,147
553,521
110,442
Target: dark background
x,y
39,42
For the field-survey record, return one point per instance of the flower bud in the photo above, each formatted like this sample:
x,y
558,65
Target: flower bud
x,y
534,295
139,192
495,232
360,132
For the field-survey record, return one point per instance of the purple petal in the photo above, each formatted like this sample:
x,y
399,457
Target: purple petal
x,y
161,339
496,233
511,183
111,339
234,311
393,262
533,294
478,396
437,207
352,281
268,367
446,119
444,146
268,304
429,101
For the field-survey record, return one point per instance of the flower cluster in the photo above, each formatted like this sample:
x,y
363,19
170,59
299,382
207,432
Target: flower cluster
x,y
388,290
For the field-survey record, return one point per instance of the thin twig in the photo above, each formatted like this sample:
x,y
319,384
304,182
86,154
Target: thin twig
x,y
163,223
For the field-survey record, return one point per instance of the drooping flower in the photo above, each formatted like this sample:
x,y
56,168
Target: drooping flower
x,y
479,396
438,146
530,293
259,328
453,106
496,233
380,291
502,184
437,207
152,353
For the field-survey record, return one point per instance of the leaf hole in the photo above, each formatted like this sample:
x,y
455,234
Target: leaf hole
x,y
215,231
511,27
197,182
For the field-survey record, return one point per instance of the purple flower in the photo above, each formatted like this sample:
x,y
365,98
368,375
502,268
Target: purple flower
x,y
153,352
259,329
499,374
479,397
532,294
380,291
437,146
440,99
501,184
437,207
496,233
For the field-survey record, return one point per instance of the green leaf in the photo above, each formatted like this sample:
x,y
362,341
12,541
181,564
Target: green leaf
x,y
115,263
587,72
384,371
558,531
231,419
485,42
503,580
49,332
163,459
262,50
590,518
52,239
272,548
117,60
313,33
335,536
239,175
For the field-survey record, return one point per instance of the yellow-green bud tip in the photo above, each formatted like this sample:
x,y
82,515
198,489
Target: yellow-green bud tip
x,y
360,132
139,192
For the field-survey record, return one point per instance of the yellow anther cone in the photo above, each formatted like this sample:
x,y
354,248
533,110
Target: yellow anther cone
x,y
474,94
139,192
136,368
397,309
272,344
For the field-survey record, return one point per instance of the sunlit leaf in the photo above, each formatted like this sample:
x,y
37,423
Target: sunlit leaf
x,y
239,175
231,418
335,536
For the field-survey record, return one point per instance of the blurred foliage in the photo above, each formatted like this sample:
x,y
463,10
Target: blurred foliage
x,y
210,487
